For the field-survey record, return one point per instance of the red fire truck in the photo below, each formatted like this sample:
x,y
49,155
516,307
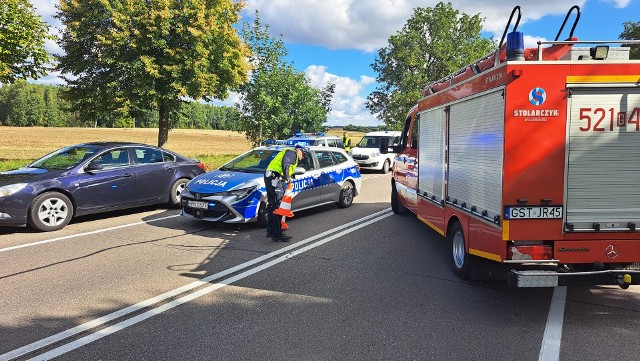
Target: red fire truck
x,y
530,158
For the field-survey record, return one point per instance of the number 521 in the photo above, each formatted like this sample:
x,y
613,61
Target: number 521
x,y
600,119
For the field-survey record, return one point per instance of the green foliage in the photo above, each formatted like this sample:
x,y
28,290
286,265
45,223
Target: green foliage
x,y
278,100
25,104
129,57
366,129
22,37
632,32
195,115
433,43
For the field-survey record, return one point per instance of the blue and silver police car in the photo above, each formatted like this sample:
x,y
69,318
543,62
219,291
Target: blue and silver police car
x,y
235,193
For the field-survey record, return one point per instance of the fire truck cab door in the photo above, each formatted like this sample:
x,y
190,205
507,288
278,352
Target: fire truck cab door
x,y
406,165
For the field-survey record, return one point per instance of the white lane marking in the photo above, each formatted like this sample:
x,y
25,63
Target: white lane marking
x,y
158,310
550,349
125,311
84,234
375,176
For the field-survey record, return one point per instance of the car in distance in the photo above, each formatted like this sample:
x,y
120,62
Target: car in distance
x,y
90,178
235,193
320,138
375,150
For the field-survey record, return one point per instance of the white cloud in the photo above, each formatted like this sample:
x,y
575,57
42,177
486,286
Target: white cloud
x,y
366,25
348,106
620,4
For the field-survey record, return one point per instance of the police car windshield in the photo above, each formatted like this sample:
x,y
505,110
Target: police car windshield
x,y
370,142
255,161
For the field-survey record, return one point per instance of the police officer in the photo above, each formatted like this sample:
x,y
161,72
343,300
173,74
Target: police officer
x,y
278,173
346,139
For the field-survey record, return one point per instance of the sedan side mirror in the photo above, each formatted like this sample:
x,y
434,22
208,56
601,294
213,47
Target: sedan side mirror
x,y
92,167
299,171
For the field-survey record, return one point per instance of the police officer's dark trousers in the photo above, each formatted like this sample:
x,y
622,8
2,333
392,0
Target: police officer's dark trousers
x,y
275,192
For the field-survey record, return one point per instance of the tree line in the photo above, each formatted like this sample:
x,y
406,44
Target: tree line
x,y
24,104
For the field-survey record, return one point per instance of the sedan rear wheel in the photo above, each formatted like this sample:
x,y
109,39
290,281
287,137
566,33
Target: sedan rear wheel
x,y
346,195
50,212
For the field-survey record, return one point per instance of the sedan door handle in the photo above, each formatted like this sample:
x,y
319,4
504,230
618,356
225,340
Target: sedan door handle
x,y
127,175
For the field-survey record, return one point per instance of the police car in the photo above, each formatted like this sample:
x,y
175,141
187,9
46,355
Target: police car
x,y
320,138
235,193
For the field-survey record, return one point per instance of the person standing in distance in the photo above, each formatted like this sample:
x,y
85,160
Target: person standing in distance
x,y
278,173
346,139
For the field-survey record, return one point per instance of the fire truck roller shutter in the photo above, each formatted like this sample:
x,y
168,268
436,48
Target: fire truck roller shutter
x,y
476,143
431,125
603,158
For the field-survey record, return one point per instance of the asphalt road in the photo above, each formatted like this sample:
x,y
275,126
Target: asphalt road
x,y
354,284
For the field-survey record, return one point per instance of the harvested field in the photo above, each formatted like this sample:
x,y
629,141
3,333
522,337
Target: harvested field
x,y
33,142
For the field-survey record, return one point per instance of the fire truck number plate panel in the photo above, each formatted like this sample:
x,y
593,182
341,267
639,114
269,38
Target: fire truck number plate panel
x,y
533,212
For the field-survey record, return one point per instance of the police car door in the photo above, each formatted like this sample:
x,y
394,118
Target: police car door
x,y
331,175
307,186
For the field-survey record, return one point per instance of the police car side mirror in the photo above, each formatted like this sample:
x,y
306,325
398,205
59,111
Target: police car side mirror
x,y
397,148
299,171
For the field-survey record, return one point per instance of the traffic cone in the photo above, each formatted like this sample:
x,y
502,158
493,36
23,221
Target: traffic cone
x,y
283,224
285,204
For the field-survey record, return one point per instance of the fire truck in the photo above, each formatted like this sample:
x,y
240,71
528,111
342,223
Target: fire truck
x,y
529,160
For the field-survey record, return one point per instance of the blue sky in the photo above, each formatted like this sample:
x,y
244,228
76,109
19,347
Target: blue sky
x,y
337,40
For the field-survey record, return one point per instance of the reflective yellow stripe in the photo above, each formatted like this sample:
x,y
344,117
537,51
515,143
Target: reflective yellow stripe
x,y
487,255
432,226
505,230
603,79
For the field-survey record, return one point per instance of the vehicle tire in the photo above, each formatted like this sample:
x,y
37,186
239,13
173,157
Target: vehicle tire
x,y
396,206
262,215
50,212
346,195
460,258
176,191
386,166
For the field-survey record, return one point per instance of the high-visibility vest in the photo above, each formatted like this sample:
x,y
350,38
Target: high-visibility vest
x,y
276,163
347,143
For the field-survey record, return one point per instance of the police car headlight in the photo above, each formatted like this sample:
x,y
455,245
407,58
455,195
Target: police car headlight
x,y
239,193
375,154
11,189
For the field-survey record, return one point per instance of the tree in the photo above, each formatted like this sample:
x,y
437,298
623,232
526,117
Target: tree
x,y
632,32
22,37
278,100
130,56
433,43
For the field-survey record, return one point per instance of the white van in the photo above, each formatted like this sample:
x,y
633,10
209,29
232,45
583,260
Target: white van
x,y
375,150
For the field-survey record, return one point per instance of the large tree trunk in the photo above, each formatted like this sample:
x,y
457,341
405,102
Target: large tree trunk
x,y
163,123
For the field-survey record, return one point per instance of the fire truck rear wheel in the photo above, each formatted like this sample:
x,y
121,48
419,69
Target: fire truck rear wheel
x,y
460,257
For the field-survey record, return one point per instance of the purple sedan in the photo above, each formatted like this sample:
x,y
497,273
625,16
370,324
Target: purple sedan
x,y
91,178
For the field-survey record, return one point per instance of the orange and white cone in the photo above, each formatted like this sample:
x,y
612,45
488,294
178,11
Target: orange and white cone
x,y
285,204
283,224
